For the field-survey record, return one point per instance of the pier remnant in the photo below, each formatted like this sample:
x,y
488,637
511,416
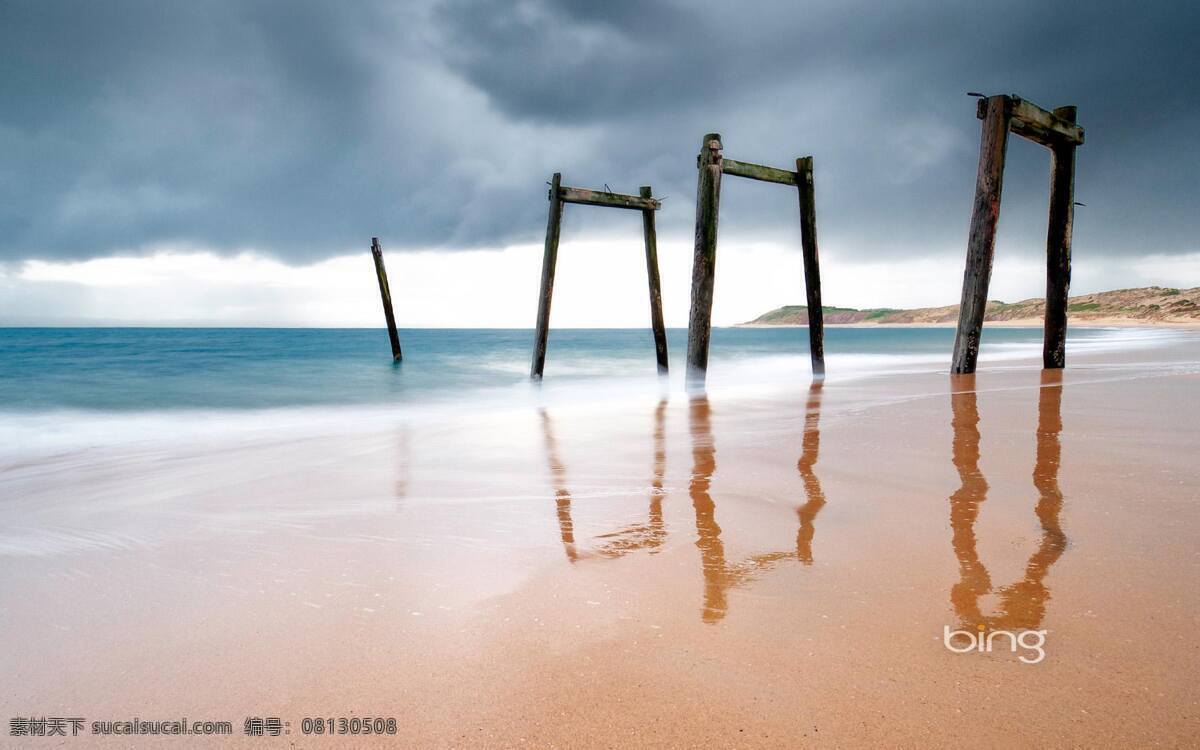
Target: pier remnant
x,y
712,165
386,294
644,202
1056,130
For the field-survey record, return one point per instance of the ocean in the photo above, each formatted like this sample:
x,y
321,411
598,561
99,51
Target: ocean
x,y
69,389
157,369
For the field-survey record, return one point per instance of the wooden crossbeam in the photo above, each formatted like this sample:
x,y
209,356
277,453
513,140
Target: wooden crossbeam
x,y
1028,120
758,172
603,198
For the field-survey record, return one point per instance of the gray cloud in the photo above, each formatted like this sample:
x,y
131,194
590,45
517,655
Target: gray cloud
x,y
303,128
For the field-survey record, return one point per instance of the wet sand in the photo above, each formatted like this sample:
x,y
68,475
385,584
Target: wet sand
x,y
758,570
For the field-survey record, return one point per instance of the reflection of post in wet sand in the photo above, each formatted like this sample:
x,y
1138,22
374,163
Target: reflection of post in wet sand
x,y
1022,604
719,575
649,535
812,486
562,496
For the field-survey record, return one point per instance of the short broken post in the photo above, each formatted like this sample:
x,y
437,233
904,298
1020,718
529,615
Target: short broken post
x,y
1058,131
386,294
656,313
549,261
812,268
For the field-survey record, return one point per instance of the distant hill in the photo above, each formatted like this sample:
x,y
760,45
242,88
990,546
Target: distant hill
x,y
1154,305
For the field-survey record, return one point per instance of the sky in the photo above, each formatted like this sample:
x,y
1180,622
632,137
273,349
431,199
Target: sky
x,y
227,163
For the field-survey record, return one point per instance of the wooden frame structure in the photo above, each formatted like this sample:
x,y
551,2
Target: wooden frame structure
x,y
386,294
649,536
711,165
647,204
1057,131
719,572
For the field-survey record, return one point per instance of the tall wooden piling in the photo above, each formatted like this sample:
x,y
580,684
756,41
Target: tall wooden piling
x,y
812,268
386,294
656,313
704,258
1058,246
981,242
549,261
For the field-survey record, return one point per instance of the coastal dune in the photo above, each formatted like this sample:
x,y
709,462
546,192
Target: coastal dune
x,y
1144,306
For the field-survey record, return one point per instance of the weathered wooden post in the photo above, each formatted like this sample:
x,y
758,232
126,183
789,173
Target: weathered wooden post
x,y
704,258
386,294
981,242
549,261
1058,247
812,268
712,165
656,314
647,204
1058,131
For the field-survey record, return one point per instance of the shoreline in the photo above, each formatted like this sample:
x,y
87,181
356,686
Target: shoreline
x,y
42,431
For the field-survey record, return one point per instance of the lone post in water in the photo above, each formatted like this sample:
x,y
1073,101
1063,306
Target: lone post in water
x,y
645,203
712,165
386,294
1058,132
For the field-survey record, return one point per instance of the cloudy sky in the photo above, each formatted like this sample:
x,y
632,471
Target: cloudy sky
x,y
228,162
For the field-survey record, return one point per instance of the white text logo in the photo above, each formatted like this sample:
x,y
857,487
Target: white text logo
x,y
964,641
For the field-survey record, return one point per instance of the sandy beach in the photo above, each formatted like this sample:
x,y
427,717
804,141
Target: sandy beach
x,y
741,570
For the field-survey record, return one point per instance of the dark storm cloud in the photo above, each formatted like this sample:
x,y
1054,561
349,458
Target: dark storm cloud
x,y
303,128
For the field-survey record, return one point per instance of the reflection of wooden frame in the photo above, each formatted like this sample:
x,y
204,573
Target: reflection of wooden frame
x,y
719,575
712,165
649,536
645,203
1022,604
1058,132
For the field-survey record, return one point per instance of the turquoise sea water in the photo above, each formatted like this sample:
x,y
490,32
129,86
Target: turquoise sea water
x,y
156,369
